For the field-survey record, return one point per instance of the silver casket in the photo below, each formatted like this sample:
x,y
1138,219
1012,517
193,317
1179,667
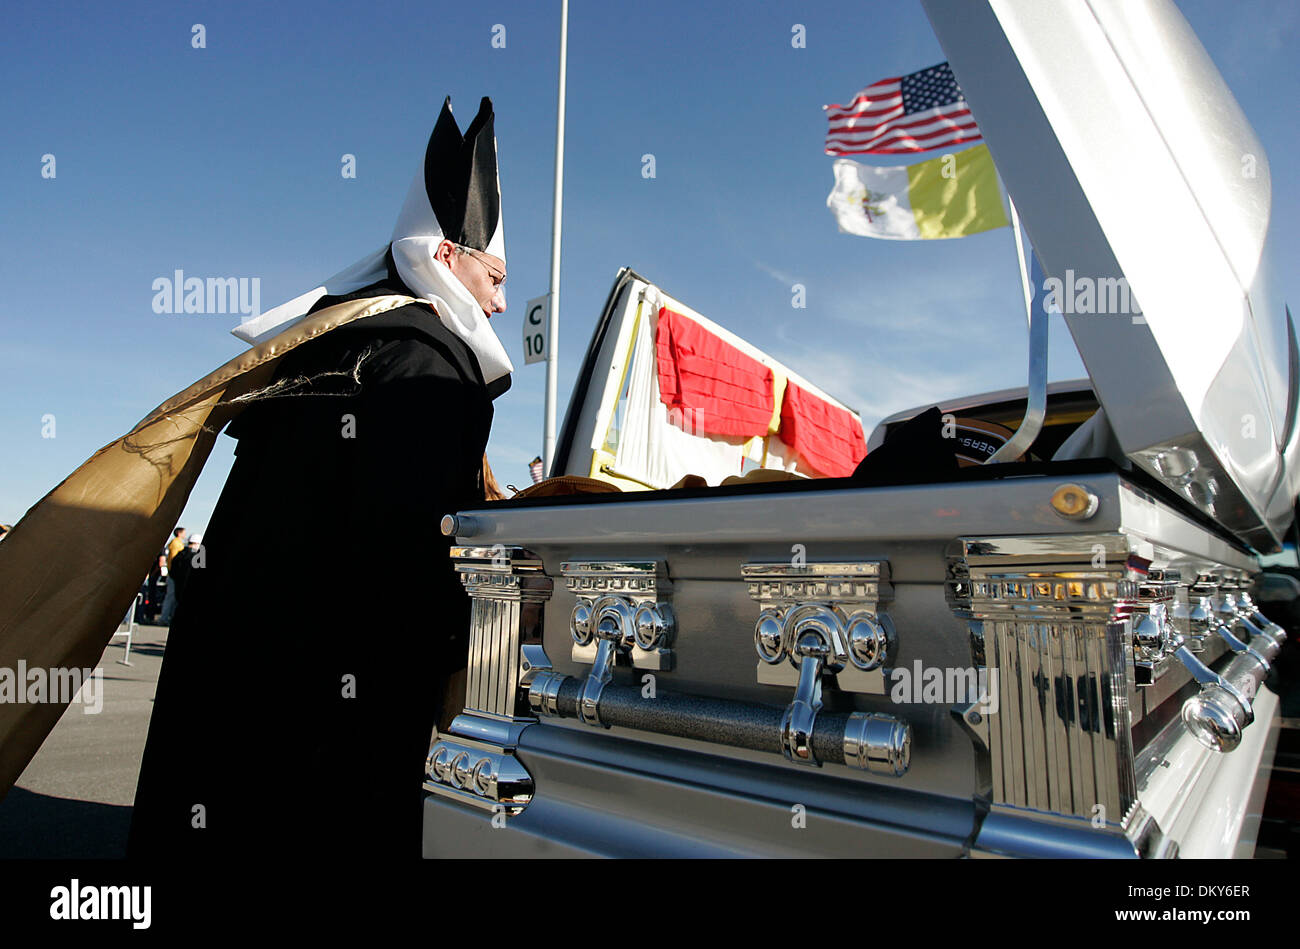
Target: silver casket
x,y
1055,658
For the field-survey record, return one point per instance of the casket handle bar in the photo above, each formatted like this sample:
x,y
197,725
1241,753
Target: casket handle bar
x,y
1256,623
1220,712
1248,611
822,640
871,742
1261,648
609,622
1223,708
800,716
818,620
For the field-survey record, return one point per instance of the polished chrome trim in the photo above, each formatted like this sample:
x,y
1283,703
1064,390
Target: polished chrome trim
x,y
842,600
600,676
476,773
1199,619
627,603
606,575
1249,611
1219,713
474,763
1271,645
1055,617
507,587
491,731
1146,836
544,693
816,621
800,718
802,574
499,557
875,743
880,744
1248,649
1153,625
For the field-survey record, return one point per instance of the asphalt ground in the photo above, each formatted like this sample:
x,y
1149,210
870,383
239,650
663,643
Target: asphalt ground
x,y
74,799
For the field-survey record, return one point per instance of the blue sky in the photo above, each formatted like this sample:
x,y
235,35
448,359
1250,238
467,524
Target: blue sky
x,y
225,161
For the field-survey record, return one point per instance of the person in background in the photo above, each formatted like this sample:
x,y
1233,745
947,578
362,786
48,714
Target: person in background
x,y
174,547
181,566
150,604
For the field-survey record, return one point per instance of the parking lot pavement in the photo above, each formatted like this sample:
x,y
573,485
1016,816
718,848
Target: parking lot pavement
x,y
74,799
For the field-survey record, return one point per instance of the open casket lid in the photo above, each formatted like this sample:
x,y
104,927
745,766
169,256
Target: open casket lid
x,y
624,428
1127,157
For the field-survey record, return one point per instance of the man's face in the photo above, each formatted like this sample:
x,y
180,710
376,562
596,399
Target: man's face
x,y
483,275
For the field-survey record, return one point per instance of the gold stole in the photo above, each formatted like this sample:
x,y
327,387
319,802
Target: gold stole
x,y
74,563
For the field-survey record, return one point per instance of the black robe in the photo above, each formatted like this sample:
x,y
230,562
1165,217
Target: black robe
x,y
307,665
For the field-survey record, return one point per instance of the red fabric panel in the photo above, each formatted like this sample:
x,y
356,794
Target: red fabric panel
x,y
718,389
828,437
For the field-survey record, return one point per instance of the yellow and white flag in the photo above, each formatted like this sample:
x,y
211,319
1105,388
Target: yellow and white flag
x,y
949,196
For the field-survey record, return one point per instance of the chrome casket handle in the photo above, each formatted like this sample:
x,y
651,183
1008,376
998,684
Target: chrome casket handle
x,y
868,741
1220,712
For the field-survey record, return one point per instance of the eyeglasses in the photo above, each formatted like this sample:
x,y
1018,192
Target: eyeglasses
x,y
498,281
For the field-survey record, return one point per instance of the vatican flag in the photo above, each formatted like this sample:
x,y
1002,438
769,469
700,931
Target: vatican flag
x,y
950,196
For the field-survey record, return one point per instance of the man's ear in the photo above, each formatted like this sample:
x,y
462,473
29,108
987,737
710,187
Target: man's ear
x,y
444,252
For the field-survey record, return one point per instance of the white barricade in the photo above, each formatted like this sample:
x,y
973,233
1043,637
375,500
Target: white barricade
x,y
127,628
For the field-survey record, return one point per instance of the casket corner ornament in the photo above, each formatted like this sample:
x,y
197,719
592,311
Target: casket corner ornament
x,y
475,762
1075,633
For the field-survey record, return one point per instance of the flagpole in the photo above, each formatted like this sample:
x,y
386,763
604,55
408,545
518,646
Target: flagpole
x,y
1025,287
553,294
1036,390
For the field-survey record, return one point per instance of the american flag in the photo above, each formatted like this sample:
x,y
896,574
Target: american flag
x,y
914,113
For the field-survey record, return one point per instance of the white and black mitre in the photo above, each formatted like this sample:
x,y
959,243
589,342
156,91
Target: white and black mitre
x,y
458,196
455,196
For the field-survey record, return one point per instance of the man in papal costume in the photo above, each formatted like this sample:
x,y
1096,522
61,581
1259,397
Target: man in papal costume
x,y
301,682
